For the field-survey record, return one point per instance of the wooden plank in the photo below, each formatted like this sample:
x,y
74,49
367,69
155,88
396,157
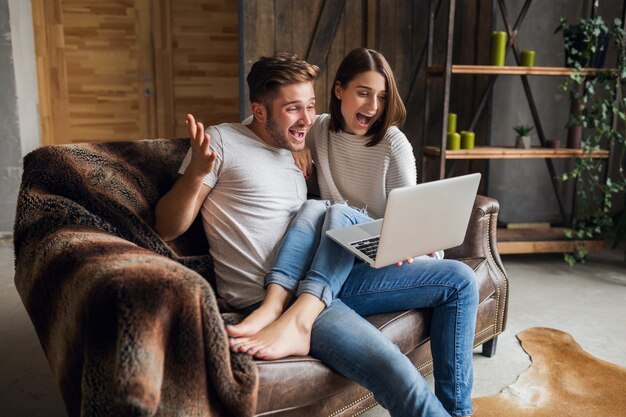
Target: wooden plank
x,y
491,69
325,30
500,152
263,28
285,27
354,29
205,62
146,94
509,248
51,70
542,240
371,26
403,61
538,234
257,33
386,39
163,69
248,46
335,53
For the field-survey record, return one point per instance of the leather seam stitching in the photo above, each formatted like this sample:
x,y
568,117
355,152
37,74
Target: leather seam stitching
x,y
353,403
493,262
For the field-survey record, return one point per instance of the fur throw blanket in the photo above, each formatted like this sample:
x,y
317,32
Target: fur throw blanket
x,y
129,324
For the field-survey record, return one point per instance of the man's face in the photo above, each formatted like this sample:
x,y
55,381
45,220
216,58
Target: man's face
x,y
290,116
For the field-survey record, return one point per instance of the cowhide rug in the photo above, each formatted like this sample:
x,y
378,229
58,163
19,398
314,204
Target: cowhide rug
x,y
563,380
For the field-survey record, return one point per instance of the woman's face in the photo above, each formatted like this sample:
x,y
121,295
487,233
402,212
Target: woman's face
x,y
362,101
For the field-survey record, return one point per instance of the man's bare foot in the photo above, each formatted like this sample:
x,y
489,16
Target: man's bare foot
x,y
275,302
255,322
290,334
281,338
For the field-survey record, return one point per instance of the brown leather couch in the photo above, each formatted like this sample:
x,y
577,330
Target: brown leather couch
x,y
83,208
303,386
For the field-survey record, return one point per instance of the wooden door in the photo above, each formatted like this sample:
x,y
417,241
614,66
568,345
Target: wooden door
x,y
94,64
132,69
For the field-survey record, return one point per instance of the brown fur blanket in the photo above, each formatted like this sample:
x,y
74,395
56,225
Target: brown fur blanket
x,y
129,324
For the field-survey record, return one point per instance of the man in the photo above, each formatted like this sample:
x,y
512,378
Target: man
x,y
243,181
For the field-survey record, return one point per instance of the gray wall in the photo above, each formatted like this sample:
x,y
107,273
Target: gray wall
x,y
523,187
19,119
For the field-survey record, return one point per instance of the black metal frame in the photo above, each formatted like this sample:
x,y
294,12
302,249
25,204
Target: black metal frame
x,y
446,73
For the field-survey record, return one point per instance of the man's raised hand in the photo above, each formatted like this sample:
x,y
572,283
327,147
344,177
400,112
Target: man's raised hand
x,y
202,158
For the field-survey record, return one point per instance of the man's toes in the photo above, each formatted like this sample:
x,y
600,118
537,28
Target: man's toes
x,y
239,345
261,354
232,331
253,350
239,330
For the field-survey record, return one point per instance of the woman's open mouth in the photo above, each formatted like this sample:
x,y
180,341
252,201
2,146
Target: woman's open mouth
x,y
363,120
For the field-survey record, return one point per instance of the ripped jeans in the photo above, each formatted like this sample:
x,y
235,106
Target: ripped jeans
x,y
308,261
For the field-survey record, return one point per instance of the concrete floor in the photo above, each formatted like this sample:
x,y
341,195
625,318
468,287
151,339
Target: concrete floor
x,y
588,301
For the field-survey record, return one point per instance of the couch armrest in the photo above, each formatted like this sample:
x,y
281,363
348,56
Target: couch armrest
x,y
480,239
481,242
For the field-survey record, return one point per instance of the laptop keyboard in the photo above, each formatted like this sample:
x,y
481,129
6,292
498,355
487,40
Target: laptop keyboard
x,y
368,246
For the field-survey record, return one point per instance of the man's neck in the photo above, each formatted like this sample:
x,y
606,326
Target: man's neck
x,y
261,132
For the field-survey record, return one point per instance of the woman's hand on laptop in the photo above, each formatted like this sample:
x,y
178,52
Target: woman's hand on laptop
x,y
410,261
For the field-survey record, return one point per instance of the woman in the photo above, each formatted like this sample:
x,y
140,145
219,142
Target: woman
x,y
361,155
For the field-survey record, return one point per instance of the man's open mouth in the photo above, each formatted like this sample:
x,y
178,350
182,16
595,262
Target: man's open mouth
x,y
297,133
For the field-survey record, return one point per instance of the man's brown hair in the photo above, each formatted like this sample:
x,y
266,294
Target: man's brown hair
x,y
356,62
269,74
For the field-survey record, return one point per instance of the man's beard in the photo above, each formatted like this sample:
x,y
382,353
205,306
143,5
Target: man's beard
x,y
280,139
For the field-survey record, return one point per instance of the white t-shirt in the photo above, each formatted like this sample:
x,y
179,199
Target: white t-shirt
x,y
256,191
362,176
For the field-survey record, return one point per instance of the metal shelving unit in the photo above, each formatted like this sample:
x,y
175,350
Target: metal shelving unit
x,y
549,239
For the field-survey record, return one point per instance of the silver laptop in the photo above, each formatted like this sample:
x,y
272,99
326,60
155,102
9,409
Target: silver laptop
x,y
418,220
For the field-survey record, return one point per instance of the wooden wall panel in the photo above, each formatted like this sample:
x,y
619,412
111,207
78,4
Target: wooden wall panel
x,y
205,61
51,71
396,28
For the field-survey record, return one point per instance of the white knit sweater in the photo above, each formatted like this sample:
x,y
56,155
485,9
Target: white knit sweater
x,y
363,176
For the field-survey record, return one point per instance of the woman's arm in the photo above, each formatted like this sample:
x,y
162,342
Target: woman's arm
x,y
402,170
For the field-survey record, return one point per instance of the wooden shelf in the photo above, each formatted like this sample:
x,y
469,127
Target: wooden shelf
x,y
543,240
501,152
501,70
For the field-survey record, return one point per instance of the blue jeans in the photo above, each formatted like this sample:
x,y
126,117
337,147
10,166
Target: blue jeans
x,y
308,261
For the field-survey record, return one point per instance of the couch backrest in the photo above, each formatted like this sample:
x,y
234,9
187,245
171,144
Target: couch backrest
x,y
114,186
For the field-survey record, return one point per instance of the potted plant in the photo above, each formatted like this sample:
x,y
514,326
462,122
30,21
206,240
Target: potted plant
x,y
522,140
600,111
585,42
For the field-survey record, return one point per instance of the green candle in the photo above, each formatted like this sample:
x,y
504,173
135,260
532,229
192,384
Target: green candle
x,y
498,48
454,141
467,139
527,59
451,122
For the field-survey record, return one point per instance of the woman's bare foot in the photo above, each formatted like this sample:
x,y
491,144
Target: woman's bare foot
x,y
290,334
